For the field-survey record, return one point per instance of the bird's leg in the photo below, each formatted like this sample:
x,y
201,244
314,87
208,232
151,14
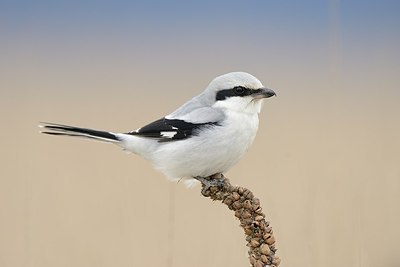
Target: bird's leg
x,y
217,179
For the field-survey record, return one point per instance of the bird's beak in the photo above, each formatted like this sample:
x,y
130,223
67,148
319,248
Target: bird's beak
x,y
263,93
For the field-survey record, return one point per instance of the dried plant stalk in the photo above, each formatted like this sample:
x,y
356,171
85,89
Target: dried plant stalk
x,y
259,235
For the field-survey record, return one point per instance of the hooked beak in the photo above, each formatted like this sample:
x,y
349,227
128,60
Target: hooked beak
x,y
263,93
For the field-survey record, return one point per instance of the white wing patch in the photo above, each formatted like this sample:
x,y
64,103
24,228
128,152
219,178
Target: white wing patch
x,y
169,134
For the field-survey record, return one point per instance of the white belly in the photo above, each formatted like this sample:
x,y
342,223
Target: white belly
x,y
215,151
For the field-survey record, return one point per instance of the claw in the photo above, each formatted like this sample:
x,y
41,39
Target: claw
x,y
217,180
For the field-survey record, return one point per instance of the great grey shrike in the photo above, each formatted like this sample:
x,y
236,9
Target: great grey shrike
x,y
206,136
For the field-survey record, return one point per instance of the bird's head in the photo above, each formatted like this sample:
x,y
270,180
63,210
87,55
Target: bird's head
x,y
238,91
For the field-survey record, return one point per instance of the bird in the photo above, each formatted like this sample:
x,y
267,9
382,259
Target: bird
x,y
204,137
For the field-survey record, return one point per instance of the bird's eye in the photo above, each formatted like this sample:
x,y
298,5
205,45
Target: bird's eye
x,y
239,90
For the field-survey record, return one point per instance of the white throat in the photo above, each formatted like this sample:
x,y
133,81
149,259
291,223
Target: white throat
x,y
239,104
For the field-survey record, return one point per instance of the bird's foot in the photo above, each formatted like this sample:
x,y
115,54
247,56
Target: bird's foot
x,y
216,180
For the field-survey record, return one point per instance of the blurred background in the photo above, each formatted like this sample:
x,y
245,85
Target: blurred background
x,y
325,163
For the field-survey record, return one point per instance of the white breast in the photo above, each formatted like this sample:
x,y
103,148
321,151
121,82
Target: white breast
x,y
216,150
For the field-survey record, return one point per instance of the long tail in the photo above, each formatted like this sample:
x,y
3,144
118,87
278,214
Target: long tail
x,y
65,130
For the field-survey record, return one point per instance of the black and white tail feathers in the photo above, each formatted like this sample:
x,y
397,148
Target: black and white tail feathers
x,y
65,130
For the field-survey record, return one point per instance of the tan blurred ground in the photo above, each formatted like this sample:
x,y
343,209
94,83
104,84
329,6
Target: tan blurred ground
x,y
325,165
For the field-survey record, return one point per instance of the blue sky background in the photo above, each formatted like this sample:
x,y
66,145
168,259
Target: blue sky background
x,y
231,33
298,47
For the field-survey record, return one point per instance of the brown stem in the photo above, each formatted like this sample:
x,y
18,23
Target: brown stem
x,y
259,235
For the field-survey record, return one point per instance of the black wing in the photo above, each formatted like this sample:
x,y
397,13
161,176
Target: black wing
x,y
167,130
